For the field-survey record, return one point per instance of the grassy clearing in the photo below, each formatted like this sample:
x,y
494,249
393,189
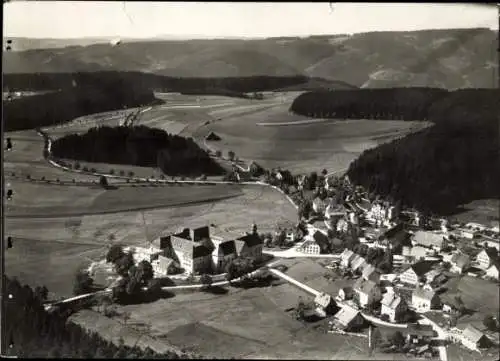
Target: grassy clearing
x,y
481,211
48,263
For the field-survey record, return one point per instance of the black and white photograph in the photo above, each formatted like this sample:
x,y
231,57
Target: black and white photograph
x,y
250,180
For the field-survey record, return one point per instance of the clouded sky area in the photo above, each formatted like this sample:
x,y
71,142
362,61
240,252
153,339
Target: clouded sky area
x,y
67,19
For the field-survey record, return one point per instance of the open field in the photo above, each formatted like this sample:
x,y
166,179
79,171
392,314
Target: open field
x,y
35,200
49,263
300,147
482,211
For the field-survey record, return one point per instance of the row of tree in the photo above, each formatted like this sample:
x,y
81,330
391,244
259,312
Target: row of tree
x,y
138,146
32,332
435,170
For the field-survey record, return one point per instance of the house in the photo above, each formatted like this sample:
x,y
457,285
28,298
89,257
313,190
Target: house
x,y
345,293
415,273
224,252
486,257
459,262
474,339
310,247
212,136
367,292
413,254
256,169
334,211
431,275
319,205
249,245
434,240
450,306
358,263
342,225
418,333
467,233
395,238
424,301
370,273
393,306
325,304
346,257
348,319
492,272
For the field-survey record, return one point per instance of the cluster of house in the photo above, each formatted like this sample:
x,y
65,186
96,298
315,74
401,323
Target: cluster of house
x,y
197,251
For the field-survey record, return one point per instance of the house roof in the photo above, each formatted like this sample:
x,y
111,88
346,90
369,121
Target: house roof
x,y
323,299
250,239
347,254
227,248
424,294
364,286
420,330
472,333
346,315
490,252
212,136
460,259
368,270
357,262
391,300
420,267
348,291
428,239
391,233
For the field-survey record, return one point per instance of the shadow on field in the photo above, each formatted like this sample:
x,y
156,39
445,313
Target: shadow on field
x,y
146,297
215,290
265,280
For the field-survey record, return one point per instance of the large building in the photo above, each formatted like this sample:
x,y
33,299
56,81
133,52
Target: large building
x,y
434,240
197,251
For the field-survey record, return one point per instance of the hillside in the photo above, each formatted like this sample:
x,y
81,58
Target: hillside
x,y
452,58
436,169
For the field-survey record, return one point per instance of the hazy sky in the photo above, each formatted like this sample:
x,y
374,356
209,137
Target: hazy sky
x,y
67,19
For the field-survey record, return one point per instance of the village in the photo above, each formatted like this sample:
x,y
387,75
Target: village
x,y
395,265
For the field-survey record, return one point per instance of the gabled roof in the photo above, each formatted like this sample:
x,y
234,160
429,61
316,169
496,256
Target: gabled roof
x,y
323,299
321,239
357,262
346,315
394,231
460,259
420,330
421,267
250,240
472,333
424,294
227,248
368,271
212,136
490,252
391,300
348,291
347,254
364,286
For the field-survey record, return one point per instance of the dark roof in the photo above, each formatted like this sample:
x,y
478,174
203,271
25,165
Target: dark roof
x,y
212,136
492,253
420,330
227,247
321,240
250,240
392,232
201,251
422,267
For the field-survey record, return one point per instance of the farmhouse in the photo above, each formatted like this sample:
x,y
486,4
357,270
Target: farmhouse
x,y
165,266
324,304
415,273
395,238
429,239
393,306
348,319
418,333
358,263
367,292
249,245
424,301
486,258
224,252
474,339
459,262
212,136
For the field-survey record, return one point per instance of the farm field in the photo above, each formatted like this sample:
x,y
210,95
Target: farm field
x,y
303,147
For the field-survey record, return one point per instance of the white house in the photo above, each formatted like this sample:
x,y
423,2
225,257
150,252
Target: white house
x,y
345,293
367,292
415,273
319,205
393,306
474,339
486,258
424,301
348,319
346,257
310,247
492,272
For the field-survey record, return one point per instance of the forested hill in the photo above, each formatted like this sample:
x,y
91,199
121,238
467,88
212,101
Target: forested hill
x,y
73,101
34,333
51,81
437,169
138,146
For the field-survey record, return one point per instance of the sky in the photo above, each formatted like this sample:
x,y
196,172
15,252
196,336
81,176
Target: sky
x,y
68,19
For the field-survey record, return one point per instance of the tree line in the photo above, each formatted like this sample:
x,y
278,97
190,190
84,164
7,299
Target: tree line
x,y
32,332
138,146
436,169
72,102
47,81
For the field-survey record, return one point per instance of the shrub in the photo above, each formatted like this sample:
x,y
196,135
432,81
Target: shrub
x,y
77,165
